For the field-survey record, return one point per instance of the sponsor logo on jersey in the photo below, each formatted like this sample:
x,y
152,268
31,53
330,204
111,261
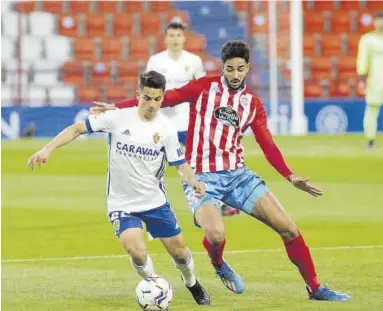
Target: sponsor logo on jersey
x,y
126,132
140,152
156,138
227,116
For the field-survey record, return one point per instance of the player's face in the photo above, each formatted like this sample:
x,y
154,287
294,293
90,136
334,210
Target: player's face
x,y
378,23
175,40
149,101
235,71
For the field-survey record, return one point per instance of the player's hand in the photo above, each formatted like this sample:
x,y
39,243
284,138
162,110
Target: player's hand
x,y
302,183
362,87
100,107
39,158
199,188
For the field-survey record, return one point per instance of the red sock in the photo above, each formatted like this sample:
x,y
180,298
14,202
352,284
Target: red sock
x,y
215,252
299,254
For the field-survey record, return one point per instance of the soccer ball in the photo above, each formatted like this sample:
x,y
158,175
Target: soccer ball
x,y
154,294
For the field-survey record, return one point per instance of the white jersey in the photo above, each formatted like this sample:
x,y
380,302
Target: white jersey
x,y
177,73
138,152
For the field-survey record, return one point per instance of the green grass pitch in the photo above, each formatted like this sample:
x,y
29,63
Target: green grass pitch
x,y
59,251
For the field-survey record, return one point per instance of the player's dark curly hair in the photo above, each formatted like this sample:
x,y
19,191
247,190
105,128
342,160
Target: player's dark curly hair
x,y
175,25
233,49
152,79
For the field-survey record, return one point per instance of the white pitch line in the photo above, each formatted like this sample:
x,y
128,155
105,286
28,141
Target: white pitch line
x,y
265,250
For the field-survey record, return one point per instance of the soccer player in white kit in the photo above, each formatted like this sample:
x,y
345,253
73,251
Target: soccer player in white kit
x,y
140,144
179,67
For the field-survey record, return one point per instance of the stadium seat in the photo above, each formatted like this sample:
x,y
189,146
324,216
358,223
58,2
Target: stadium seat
x,y
312,89
365,21
58,48
62,95
341,22
113,49
321,64
133,6
37,96
76,7
261,23
73,72
11,72
139,46
122,24
101,72
56,7
195,43
319,76
283,22
69,25
10,24
127,72
42,24
108,6
7,48
85,48
314,22
31,48
150,24
114,93
45,73
96,25
20,6
177,17
310,46
344,89
242,6
331,45
6,95
211,65
86,94
352,43
374,5
346,66
161,6
319,6
345,5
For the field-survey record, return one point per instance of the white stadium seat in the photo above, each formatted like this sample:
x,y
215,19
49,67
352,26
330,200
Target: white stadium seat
x,y
62,95
58,48
6,95
42,24
7,48
45,73
31,48
37,96
10,24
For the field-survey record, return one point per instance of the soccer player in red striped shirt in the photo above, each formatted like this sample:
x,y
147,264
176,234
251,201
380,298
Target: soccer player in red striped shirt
x,y
221,109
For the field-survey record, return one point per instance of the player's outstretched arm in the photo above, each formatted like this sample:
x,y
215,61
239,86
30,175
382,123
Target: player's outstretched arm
x,y
63,138
187,175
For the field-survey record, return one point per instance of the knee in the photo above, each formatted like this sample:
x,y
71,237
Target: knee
x,y
215,235
290,232
138,254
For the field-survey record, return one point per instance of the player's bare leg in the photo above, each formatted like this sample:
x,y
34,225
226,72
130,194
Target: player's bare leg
x,y
132,240
268,210
209,218
227,210
183,261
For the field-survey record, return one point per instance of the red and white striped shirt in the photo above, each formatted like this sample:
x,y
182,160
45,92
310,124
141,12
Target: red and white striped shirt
x,y
218,119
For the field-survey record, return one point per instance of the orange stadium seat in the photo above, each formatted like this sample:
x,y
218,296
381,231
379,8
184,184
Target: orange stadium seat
x,y
320,6
344,89
122,24
347,75
112,49
314,22
283,21
96,25
309,43
365,21
115,93
321,64
161,6
242,6
352,44
178,17
150,24
346,66
211,65
312,89
73,72
374,5
331,45
133,6
68,25
25,6
127,71
322,75
341,21
139,46
53,6
85,48
195,43
260,23
86,94
80,6
101,72
107,6
349,5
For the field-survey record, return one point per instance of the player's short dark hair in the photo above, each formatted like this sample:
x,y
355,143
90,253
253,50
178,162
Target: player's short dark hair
x,y
379,14
233,49
175,25
152,79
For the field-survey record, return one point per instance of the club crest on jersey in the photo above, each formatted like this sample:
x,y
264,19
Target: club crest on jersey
x,y
227,116
156,138
243,100
186,68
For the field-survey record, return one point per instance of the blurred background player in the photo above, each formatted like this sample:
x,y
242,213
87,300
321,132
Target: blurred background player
x,y
179,67
370,72
140,144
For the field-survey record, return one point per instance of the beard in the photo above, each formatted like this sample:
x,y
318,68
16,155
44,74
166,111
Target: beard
x,y
234,88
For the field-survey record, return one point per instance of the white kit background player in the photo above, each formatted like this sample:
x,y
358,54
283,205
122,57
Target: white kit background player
x,y
179,67
140,145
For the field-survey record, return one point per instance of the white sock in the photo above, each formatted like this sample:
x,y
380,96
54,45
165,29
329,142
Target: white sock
x,y
187,270
146,270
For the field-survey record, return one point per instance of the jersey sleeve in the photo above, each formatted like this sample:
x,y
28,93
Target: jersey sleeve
x,y
266,142
174,153
362,64
104,122
188,93
199,70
